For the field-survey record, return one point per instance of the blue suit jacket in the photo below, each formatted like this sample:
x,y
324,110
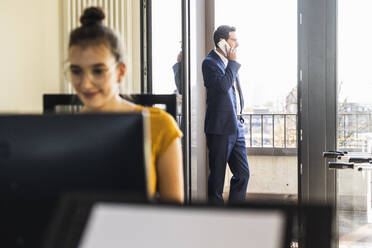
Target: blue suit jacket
x,y
221,116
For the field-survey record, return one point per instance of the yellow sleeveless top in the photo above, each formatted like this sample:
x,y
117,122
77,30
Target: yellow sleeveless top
x,y
164,130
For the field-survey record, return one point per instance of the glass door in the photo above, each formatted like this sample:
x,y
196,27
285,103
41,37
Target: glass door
x,y
354,121
165,55
267,34
165,52
166,46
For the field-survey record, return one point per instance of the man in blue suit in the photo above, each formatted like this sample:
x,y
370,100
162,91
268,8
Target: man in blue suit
x,y
223,126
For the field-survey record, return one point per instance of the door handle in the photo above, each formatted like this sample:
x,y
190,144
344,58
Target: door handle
x,y
333,154
340,165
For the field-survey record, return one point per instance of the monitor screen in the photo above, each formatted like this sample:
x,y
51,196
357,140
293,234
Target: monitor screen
x,y
128,225
44,157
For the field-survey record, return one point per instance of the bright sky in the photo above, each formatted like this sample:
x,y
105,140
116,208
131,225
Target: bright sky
x,y
267,33
355,50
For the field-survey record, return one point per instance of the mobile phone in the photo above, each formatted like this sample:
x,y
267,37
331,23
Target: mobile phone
x,y
223,45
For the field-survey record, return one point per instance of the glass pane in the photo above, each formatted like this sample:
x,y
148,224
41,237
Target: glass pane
x,y
354,120
267,53
167,50
166,45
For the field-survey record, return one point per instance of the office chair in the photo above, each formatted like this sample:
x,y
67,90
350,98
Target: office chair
x,y
72,103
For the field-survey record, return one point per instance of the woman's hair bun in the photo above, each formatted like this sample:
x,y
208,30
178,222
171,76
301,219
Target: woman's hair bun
x,y
92,16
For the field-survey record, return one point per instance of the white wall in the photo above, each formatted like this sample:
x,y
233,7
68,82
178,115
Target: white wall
x,y
29,62
278,175
270,175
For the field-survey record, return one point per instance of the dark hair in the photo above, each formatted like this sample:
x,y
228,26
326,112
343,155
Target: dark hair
x,y
222,32
93,32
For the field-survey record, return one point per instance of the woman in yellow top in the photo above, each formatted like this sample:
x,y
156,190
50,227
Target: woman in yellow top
x,y
96,69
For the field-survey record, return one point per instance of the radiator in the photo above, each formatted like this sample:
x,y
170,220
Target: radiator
x,y
118,17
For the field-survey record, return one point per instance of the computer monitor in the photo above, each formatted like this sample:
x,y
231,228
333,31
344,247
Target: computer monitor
x,y
113,222
44,157
110,222
128,225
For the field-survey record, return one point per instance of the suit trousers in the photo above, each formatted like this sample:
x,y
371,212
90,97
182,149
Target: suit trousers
x,y
229,149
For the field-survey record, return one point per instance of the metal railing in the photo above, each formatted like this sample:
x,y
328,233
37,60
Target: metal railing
x,y
354,132
270,130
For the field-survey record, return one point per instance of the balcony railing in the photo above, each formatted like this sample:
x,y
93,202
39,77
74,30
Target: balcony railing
x,y
279,131
354,132
270,130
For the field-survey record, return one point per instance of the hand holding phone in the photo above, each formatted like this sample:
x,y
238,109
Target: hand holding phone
x,y
224,46
226,49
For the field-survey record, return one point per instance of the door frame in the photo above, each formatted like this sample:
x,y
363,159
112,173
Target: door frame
x,y
317,98
317,101
317,92
147,82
